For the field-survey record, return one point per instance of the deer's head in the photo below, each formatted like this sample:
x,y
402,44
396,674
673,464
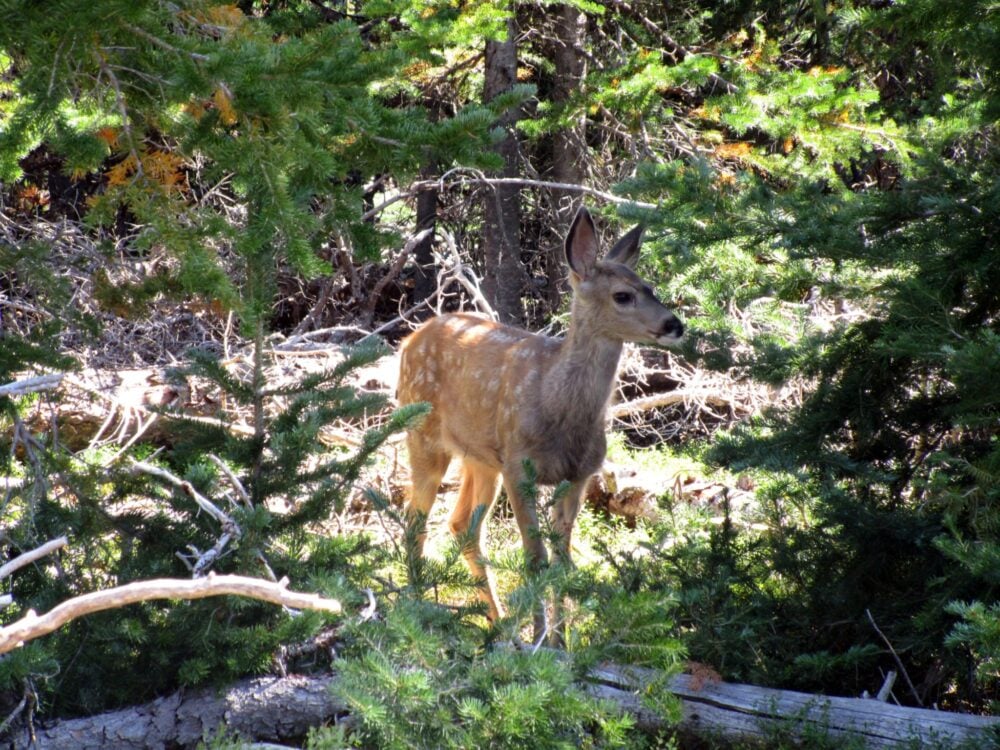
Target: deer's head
x,y
615,301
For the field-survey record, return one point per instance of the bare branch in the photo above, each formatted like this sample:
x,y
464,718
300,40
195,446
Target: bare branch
x,y
670,398
480,179
33,626
187,488
31,385
394,270
895,656
29,557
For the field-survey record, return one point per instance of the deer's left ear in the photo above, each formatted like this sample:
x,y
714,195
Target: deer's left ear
x,y
626,250
581,244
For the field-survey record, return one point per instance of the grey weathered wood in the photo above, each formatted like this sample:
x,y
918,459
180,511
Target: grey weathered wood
x,y
264,709
745,711
271,709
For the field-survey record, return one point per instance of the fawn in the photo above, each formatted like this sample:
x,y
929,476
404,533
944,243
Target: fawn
x,y
500,396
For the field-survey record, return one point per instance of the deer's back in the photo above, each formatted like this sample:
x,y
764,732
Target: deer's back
x,y
485,384
477,375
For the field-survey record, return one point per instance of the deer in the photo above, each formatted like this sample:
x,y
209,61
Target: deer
x,y
501,397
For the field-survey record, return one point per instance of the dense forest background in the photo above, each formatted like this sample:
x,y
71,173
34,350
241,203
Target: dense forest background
x,y
190,186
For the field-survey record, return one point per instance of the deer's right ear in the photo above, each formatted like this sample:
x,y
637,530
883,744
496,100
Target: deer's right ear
x,y
581,244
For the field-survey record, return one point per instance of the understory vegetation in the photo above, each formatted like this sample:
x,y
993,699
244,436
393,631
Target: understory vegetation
x,y
241,209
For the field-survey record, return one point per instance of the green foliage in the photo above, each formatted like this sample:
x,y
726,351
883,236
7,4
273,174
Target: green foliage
x,y
824,178
421,678
813,192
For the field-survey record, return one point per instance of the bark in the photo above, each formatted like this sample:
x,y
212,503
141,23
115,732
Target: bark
x,y
426,276
503,278
568,144
272,709
268,709
741,712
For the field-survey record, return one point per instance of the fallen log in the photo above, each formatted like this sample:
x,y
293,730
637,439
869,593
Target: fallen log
x,y
746,712
268,709
271,709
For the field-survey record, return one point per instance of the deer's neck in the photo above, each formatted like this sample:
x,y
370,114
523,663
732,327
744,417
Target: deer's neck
x,y
578,385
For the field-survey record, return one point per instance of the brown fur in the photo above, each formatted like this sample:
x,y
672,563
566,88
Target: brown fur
x,y
500,395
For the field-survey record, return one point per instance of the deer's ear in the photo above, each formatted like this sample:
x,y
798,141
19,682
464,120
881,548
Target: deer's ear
x,y
626,250
581,244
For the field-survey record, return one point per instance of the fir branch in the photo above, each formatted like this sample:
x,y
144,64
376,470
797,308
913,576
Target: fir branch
x,y
197,56
676,51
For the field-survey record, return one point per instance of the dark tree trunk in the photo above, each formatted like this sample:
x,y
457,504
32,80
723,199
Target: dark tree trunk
x,y
426,277
568,145
504,277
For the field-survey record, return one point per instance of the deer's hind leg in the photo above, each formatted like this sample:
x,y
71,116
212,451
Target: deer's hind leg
x,y
428,464
475,497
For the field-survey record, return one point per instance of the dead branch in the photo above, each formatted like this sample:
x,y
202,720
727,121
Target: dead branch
x,y
669,398
895,656
31,385
29,557
33,626
478,178
187,488
393,272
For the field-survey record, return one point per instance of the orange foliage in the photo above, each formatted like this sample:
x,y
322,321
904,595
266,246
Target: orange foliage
x,y
196,109
223,102
109,135
736,150
702,675
120,172
160,167
229,16
164,168
30,198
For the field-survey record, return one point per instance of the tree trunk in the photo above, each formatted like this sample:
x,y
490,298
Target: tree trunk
x,y
503,278
272,709
569,144
426,276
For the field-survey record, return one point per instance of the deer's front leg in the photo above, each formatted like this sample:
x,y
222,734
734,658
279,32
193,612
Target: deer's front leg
x,y
526,515
564,517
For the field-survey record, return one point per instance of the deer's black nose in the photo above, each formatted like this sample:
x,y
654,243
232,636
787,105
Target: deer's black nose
x,y
672,326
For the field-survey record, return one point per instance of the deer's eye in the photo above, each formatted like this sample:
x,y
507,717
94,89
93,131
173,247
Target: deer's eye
x,y
623,298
